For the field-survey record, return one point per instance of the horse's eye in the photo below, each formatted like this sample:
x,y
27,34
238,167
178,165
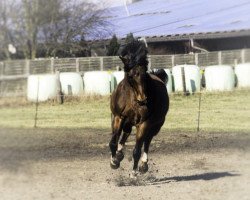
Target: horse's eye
x,y
136,74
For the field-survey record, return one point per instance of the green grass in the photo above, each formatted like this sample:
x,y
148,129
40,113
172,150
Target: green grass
x,y
228,111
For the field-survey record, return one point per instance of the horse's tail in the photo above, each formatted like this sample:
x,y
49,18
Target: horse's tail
x,y
160,73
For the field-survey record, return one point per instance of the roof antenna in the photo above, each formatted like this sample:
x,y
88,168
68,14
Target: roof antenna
x,y
125,4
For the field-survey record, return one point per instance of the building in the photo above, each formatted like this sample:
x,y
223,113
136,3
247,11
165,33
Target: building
x,y
184,26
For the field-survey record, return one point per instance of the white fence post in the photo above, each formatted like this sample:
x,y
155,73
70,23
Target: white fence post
x,y
27,66
2,69
172,60
52,66
219,58
196,61
243,54
149,63
77,65
101,63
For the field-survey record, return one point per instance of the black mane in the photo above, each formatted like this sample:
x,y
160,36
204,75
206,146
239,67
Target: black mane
x,y
134,53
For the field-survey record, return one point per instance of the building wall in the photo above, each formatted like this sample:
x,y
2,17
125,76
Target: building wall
x,y
184,47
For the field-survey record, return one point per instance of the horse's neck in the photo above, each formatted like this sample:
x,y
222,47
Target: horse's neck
x,y
138,90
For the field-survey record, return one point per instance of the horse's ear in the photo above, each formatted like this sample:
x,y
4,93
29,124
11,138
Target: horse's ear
x,y
124,60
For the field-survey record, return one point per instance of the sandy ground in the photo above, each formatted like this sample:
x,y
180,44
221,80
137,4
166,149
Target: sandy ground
x,y
74,164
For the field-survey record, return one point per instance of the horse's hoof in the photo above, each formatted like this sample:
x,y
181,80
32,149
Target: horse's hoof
x,y
114,166
143,168
119,156
114,163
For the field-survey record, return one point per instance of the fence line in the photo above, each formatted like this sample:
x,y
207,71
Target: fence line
x,y
13,74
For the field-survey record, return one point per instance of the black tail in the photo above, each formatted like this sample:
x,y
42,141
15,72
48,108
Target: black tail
x,y
160,73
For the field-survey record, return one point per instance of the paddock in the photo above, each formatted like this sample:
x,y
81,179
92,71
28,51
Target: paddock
x,y
67,155
66,163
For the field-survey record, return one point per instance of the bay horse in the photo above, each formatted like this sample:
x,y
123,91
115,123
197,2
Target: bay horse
x,y
139,100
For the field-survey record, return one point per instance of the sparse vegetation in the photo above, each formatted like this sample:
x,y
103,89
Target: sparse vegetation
x,y
228,112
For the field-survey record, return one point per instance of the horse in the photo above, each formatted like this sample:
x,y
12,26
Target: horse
x,y
139,100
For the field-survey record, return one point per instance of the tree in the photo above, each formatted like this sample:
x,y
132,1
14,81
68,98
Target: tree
x,y
8,15
44,27
113,46
129,38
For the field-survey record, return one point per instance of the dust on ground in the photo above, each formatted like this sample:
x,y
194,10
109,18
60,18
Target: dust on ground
x,y
74,164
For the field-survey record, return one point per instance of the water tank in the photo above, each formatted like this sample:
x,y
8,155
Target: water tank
x,y
72,83
170,81
98,82
41,87
242,72
119,76
219,78
192,78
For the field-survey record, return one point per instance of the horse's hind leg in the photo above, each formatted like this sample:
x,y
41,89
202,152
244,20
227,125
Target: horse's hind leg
x,y
137,155
137,149
113,144
143,168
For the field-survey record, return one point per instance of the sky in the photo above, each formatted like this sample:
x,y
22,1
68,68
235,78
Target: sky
x,y
110,3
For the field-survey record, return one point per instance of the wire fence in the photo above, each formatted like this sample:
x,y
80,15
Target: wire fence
x,y
13,74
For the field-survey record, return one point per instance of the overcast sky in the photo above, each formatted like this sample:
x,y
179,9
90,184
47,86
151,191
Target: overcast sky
x,y
109,3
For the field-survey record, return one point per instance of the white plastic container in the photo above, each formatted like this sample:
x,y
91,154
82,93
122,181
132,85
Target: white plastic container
x,y
219,78
72,83
41,87
242,72
119,76
192,78
169,83
98,82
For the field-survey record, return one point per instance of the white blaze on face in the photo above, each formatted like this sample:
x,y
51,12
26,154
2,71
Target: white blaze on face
x,y
144,157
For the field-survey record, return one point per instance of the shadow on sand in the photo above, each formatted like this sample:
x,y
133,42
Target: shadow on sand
x,y
196,177
152,180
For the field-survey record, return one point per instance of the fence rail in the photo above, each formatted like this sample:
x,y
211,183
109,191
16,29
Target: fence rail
x,y
13,74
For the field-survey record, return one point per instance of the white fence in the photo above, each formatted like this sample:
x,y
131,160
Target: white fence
x,y
13,74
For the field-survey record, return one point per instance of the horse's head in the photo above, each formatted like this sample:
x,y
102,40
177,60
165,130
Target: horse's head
x,y
134,54
134,58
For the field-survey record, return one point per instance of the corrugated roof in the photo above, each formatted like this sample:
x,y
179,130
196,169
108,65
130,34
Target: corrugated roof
x,y
177,19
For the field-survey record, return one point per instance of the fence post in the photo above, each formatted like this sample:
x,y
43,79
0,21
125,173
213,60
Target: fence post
x,y
77,65
196,61
101,63
27,66
149,63
1,75
219,58
243,54
184,81
235,62
2,69
172,60
52,66
59,88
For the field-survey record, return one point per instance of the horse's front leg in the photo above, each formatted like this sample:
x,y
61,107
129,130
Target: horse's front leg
x,y
113,144
127,129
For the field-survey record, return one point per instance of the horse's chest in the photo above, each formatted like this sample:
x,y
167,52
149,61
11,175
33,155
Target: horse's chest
x,y
137,114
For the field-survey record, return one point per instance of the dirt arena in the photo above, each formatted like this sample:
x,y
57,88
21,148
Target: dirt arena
x,y
74,164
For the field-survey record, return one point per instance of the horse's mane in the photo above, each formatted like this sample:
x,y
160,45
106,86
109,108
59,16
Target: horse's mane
x,y
134,53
